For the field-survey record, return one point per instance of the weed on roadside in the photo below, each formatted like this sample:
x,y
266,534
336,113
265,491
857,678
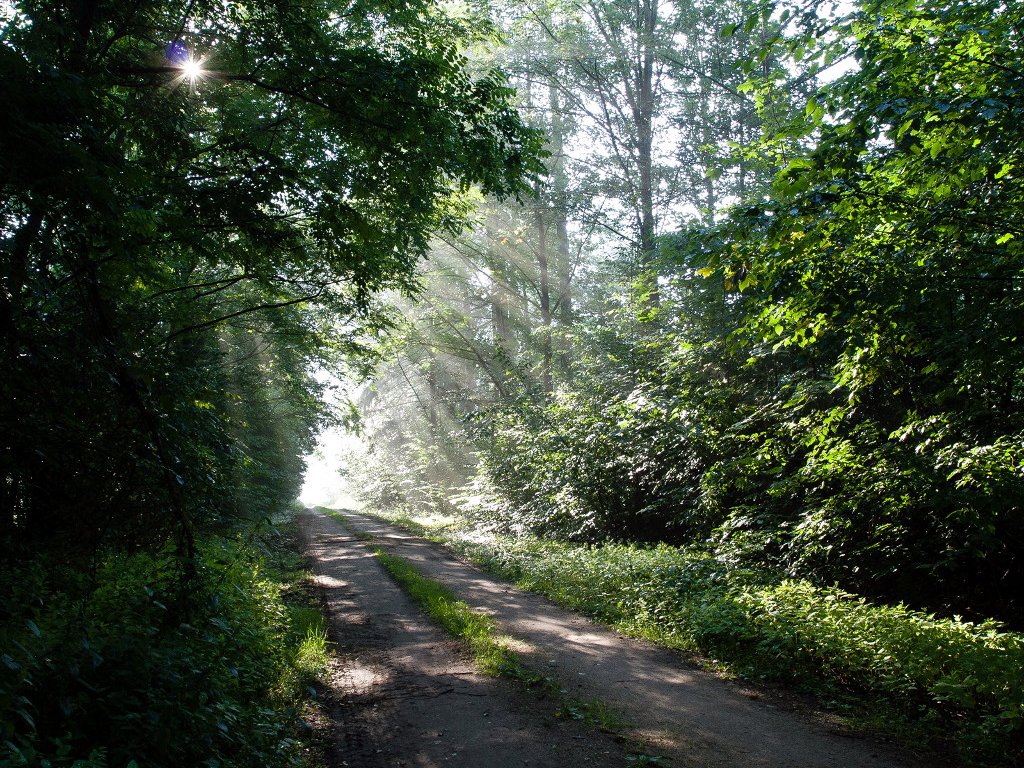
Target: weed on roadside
x,y
592,712
635,761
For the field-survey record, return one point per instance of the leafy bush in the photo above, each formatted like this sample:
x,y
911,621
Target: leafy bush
x,y
139,665
410,474
599,465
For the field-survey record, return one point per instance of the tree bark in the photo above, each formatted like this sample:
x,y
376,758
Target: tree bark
x,y
643,116
560,184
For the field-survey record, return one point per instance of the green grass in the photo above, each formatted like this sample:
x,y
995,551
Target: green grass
x,y
592,712
306,638
910,673
363,536
490,651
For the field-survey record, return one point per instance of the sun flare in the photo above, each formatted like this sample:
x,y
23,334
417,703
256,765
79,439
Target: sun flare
x,y
192,69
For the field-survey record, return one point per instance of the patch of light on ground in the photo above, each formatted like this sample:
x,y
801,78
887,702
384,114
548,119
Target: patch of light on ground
x,y
324,485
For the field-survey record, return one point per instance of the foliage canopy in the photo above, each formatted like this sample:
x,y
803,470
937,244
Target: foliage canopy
x,y
177,250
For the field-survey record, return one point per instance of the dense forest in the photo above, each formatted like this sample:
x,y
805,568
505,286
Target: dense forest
x,y
738,280
199,200
767,297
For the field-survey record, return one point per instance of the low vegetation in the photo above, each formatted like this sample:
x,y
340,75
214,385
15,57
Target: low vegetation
x,y
492,655
934,675
135,665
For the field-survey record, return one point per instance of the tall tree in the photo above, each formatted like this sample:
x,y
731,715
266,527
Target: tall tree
x,y
176,174
888,264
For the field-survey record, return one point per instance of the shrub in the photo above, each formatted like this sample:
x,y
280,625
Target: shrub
x,y
139,665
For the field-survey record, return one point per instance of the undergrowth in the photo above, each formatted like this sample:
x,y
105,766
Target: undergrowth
x,y
139,664
935,676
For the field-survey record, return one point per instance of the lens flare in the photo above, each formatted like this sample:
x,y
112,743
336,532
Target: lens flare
x,y
177,53
181,58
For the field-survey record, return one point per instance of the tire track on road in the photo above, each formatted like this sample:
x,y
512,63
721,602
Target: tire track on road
x,y
403,694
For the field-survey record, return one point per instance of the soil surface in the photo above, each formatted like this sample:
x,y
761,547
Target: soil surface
x,y
406,695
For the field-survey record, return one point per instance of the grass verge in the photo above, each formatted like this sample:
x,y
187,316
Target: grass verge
x,y
303,679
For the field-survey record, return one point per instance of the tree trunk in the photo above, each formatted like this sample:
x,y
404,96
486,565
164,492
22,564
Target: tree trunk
x,y
544,289
643,117
560,184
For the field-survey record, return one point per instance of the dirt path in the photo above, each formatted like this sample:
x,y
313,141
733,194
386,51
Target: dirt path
x,y
404,695
404,666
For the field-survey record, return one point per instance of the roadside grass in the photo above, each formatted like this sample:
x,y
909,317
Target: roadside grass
x,y
306,638
928,681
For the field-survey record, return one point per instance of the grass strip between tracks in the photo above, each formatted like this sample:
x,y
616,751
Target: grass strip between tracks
x,y
491,651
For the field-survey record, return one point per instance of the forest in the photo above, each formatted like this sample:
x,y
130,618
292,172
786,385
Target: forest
x,y
713,307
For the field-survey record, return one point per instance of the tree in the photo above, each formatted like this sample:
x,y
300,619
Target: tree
x,y
177,250
888,264
624,93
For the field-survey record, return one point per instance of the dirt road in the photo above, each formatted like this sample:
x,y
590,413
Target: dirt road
x,y
406,695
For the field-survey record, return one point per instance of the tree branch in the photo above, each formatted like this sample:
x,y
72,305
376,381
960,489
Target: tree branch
x,y
239,313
